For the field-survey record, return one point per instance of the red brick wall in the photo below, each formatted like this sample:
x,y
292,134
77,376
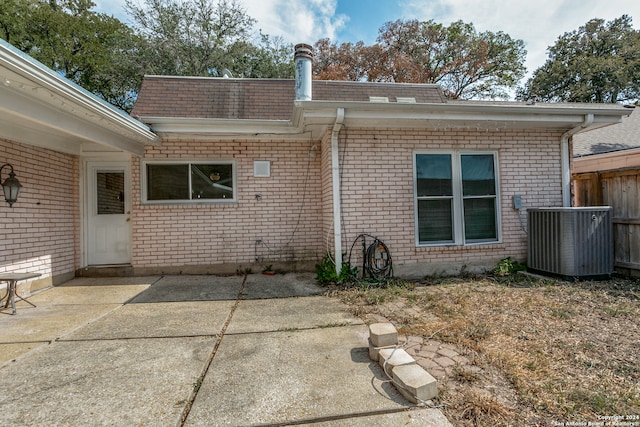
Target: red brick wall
x,y
40,233
286,219
293,219
376,174
378,194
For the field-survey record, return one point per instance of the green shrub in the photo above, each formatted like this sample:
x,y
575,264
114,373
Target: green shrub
x,y
326,272
508,266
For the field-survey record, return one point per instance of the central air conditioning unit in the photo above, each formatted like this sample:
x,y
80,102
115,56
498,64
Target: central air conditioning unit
x,y
572,243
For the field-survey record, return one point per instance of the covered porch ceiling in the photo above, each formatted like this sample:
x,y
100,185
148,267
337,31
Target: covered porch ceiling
x,y
41,108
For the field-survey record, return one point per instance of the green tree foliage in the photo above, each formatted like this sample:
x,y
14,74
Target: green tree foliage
x,y
204,37
466,63
174,37
599,62
91,49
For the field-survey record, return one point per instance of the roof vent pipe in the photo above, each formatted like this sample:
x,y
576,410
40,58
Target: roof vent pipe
x,y
303,60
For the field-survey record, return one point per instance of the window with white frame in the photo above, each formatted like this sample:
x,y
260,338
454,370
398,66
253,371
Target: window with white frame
x,y
456,197
188,181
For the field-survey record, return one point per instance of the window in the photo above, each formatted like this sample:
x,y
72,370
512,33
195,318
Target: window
x,y
189,182
456,198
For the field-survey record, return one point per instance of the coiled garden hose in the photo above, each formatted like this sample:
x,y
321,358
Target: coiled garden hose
x,y
376,258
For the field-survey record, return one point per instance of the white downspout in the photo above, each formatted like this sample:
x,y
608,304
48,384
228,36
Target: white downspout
x,y
566,168
335,180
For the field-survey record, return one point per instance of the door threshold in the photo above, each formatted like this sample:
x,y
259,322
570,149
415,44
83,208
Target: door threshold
x,y
111,270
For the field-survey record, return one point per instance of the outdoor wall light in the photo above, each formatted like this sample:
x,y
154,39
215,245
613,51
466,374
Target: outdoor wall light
x,y
11,186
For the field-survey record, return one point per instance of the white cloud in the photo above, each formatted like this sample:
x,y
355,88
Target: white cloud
x,y
297,21
539,22
112,8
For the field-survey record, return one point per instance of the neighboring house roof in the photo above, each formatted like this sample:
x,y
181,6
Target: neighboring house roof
x,y
228,98
612,148
210,107
622,136
40,107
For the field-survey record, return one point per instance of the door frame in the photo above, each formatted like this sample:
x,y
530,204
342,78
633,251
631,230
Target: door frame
x,y
88,165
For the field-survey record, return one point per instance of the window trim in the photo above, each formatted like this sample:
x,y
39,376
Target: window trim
x,y
144,182
458,198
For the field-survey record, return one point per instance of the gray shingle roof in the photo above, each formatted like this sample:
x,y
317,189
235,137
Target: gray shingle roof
x,y
616,137
268,99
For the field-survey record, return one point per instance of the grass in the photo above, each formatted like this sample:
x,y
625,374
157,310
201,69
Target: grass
x,y
542,352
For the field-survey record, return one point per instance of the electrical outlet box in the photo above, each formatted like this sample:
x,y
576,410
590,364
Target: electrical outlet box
x,y
517,202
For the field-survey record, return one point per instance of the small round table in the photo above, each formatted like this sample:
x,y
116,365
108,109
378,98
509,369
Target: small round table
x,y
13,279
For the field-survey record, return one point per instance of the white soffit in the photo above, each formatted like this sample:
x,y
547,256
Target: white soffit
x,y
465,115
41,108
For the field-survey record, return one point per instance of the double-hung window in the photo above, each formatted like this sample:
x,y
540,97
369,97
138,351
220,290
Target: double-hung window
x,y
185,182
456,198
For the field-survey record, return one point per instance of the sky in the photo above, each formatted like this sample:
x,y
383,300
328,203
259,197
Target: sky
x,y
538,23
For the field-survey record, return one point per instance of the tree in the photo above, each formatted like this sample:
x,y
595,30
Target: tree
x,y
108,58
333,62
190,38
467,64
205,37
13,16
599,62
94,50
271,58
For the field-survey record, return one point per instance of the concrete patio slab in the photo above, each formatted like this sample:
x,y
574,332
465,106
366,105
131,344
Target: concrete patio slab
x,y
120,382
9,352
418,417
61,309
141,359
48,322
191,288
280,377
259,286
110,281
287,313
82,295
177,319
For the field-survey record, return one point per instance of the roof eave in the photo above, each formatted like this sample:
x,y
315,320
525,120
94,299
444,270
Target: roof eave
x,y
455,115
51,104
167,126
313,116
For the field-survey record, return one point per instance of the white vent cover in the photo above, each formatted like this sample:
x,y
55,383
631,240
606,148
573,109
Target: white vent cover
x,y
378,99
261,168
407,100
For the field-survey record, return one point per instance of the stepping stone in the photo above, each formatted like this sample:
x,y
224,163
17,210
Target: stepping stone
x,y
383,334
373,352
415,384
390,358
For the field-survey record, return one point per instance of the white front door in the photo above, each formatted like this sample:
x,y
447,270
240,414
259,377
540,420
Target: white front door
x,y
108,213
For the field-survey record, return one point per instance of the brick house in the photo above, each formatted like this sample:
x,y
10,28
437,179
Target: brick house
x,y
50,129
216,174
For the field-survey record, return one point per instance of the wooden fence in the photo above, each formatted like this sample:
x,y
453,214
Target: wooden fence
x,y
619,189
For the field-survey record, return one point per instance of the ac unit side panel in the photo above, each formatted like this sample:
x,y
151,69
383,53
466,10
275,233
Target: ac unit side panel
x,y
571,242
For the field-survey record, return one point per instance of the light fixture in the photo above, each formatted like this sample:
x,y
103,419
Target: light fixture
x,y
11,186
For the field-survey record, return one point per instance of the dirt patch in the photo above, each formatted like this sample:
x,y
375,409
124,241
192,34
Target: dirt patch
x,y
535,352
